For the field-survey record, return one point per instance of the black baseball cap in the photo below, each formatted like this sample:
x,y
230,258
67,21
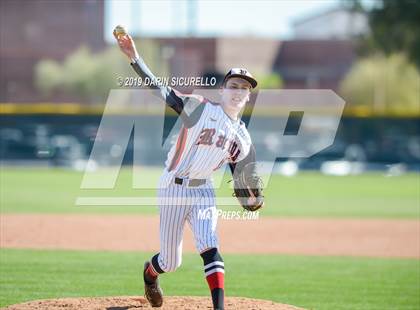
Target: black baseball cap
x,y
241,73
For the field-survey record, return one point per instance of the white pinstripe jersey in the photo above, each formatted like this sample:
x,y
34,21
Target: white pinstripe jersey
x,y
212,141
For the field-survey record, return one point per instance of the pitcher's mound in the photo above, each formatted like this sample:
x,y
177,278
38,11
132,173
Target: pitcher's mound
x,y
124,303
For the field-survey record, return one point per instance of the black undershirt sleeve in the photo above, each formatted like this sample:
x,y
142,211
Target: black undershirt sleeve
x,y
189,108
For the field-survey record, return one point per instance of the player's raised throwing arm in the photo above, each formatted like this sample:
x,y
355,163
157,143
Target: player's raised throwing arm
x,y
127,46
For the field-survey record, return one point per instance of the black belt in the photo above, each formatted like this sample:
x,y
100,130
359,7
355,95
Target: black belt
x,y
191,182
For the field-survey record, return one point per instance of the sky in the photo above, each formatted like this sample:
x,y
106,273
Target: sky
x,y
265,18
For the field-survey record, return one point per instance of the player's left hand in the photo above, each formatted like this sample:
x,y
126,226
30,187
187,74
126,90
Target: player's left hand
x,y
248,189
258,202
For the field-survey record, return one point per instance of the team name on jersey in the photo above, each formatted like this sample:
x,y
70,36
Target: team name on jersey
x,y
206,137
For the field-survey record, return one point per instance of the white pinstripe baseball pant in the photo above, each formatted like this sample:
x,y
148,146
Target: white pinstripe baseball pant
x,y
179,204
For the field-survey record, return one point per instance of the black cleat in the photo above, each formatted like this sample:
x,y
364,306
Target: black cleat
x,y
152,290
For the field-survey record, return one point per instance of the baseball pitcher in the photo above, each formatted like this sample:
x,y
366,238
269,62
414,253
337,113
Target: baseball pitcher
x,y
212,134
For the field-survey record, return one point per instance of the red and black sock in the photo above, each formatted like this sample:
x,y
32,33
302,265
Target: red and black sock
x,y
152,272
214,270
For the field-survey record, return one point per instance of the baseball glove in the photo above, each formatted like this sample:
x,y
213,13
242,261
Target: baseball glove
x,y
248,188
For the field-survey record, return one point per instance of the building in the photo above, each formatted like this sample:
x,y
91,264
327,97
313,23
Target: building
x,y
33,30
319,57
203,56
314,63
323,49
335,24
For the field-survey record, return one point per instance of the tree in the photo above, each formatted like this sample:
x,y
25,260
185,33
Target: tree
x,y
395,27
90,76
269,81
386,85
48,76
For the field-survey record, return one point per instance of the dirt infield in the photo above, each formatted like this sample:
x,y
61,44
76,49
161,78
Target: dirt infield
x,y
347,237
170,303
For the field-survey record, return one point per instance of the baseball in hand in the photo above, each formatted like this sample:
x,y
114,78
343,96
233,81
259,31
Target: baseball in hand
x,y
119,31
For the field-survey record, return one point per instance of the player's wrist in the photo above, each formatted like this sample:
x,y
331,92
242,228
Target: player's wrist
x,y
134,58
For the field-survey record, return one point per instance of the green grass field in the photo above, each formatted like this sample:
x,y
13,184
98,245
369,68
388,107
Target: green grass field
x,y
310,282
307,194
